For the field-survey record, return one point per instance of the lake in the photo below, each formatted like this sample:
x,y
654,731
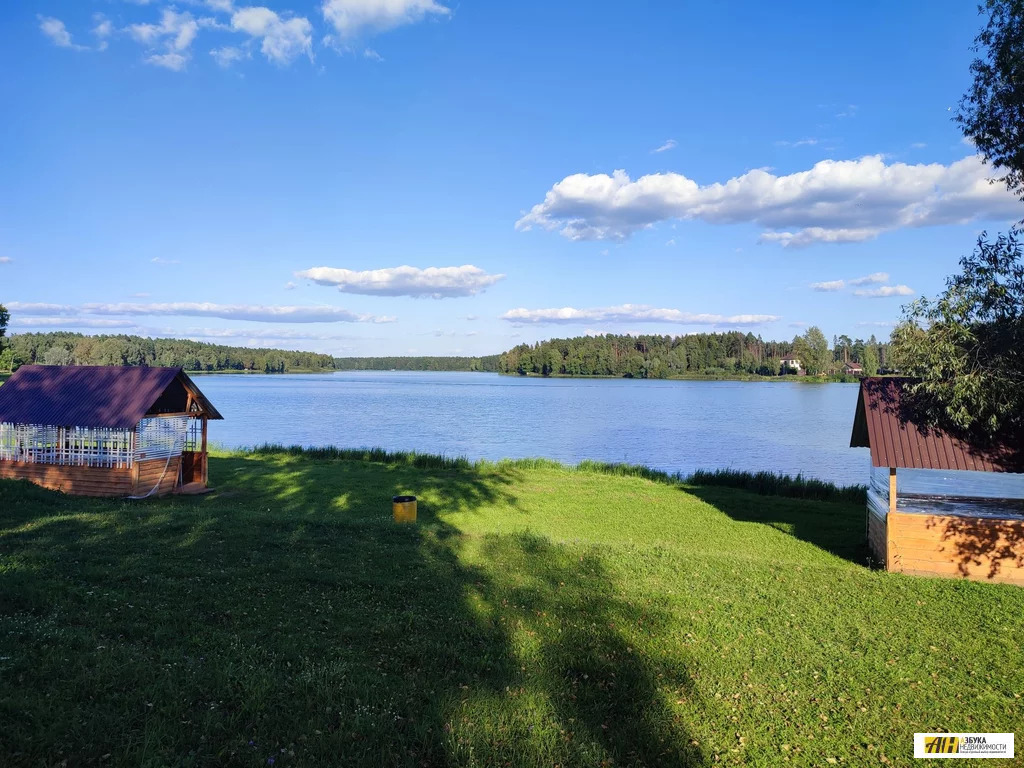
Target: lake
x,y
670,425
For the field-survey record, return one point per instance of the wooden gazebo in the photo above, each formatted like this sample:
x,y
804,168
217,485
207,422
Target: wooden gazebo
x,y
105,430
938,504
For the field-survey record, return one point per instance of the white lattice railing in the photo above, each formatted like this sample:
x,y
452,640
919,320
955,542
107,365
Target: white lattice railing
x,y
155,438
67,446
161,437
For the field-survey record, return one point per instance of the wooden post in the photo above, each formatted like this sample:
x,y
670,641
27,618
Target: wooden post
x,y
204,459
892,490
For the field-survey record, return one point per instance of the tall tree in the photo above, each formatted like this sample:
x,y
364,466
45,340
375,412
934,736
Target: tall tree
x,y
966,347
817,357
5,318
870,362
991,113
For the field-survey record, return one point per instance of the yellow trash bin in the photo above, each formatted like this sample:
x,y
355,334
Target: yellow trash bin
x,y
404,509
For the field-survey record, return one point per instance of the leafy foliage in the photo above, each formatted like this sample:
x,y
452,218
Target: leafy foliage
x,y
812,349
6,356
63,348
966,347
991,113
660,357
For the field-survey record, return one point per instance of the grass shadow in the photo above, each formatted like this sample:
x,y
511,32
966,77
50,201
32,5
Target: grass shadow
x,y
835,527
285,620
592,653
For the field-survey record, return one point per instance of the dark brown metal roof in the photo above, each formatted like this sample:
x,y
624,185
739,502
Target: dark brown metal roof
x,y
94,396
882,424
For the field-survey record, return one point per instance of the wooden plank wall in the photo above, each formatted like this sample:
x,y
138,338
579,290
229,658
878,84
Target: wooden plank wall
x,y
81,481
877,537
977,548
149,474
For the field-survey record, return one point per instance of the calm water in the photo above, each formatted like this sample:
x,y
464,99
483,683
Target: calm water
x,y
671,425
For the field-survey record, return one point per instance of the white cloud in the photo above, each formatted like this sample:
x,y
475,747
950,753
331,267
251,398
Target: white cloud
x,y
282,40
884,291
175,30
5,259
262,334
876,324
175,62
103,30
834,201
918,145
629,313
799,143
435,282
58,33
813,235
290,286
71,322
670,144
252,312
874,277
170,40
352,17
159,260
228,55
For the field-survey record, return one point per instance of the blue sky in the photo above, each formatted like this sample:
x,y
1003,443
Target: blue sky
x,y
259,174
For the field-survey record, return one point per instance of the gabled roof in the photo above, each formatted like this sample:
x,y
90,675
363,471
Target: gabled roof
x,y
92,396
858,366
883,424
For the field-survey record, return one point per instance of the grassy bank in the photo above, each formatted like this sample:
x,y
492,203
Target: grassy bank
x,y
537,615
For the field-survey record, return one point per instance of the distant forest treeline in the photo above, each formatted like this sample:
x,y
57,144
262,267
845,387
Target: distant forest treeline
x,y
701,354
62,348
405,363
652,357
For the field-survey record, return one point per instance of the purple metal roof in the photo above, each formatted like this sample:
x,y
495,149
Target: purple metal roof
x,y
882,424
89,396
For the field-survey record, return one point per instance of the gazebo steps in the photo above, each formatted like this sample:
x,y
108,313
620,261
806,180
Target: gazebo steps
x,y
193,489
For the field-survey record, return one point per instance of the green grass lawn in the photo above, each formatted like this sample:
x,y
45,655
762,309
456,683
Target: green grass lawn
x,y
535,616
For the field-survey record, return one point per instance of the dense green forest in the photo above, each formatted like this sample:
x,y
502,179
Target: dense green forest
x,y
653,357
488,363
700,354
63,348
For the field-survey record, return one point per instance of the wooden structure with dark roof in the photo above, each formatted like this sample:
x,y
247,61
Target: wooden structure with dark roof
x,y
951,523
105,430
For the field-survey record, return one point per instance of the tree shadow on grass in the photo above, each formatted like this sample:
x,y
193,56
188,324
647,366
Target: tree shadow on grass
x,y
836,527
598,658
285,620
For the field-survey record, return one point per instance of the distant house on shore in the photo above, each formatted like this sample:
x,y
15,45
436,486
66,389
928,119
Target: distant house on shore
x,y
853,369
938,504
105,430
791,365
